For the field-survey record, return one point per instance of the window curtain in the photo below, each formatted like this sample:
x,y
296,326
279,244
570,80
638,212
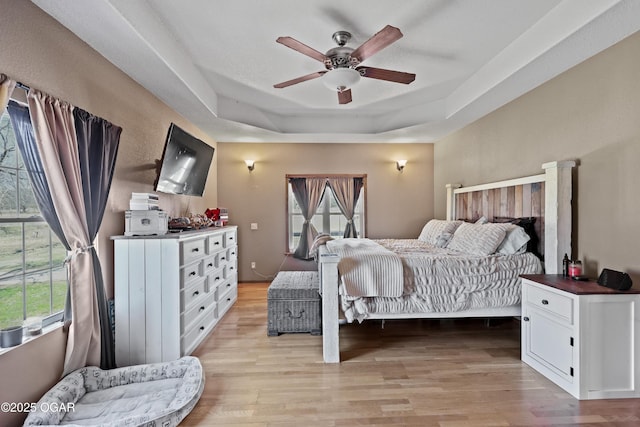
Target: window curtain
x,y
26,141
77,152
346,192
6,88
308,193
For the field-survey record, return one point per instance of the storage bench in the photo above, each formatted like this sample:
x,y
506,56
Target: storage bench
x,y
293,303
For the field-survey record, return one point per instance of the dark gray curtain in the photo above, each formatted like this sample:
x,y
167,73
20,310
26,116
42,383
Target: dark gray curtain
x,y
308,193
26,140
98,142
347,192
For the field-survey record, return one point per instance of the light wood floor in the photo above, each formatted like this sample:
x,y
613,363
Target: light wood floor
x,y
420,373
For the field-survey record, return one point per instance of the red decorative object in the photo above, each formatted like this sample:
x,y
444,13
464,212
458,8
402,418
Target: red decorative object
x,y
213,214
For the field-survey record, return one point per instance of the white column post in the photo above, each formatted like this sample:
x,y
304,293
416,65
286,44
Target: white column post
x,y
451,201
557,207
330,322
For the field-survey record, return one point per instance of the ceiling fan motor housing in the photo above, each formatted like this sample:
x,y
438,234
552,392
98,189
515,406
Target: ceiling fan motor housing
x,y
339,57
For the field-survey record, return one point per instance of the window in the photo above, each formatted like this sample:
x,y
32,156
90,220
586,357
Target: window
x,y
33,279
327,219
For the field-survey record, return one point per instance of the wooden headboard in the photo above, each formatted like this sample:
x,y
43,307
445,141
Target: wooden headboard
x,y
546,197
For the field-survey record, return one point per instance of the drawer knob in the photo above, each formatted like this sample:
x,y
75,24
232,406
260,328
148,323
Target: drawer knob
x,y
216,243
195,250
201,308
196,293
202,328
228,299
545,302
526,319
228,285
193,273
223,258
218,278
210,264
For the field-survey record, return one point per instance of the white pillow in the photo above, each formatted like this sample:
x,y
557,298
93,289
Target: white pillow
x,y
515,241
478,239
434,228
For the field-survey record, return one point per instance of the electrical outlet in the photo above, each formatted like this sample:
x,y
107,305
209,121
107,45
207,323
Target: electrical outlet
x,y
253,265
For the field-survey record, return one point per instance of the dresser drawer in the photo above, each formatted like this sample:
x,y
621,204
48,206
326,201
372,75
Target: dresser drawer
x,y
232,253
551,302
227,296
229,239
208,265
230,269
190,272
196,334
207,304
215,242
190,295
215,279
191,250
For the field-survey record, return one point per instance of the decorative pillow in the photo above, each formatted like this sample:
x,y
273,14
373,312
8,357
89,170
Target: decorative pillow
x,y
443,240
478,239
515,241
436,227
528,224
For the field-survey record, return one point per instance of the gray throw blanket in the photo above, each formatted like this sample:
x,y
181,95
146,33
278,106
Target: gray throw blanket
x,y
368,269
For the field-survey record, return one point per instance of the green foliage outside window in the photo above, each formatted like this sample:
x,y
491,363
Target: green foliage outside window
x,y
33,279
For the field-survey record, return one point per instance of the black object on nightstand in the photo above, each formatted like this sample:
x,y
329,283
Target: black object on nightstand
x,y
615,280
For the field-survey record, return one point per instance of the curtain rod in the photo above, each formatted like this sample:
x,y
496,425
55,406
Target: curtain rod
x,y
22,86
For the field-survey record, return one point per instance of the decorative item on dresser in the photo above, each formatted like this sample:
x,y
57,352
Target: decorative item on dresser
x,y
170,291
582,336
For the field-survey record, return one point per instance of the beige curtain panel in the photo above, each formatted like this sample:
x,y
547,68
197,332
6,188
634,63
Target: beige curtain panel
x,y
53,124
6,89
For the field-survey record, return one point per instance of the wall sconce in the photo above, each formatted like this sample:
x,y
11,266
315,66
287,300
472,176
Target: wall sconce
x,y
400,164
250,164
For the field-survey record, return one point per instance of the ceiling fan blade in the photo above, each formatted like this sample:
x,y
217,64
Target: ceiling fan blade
x,y
344,97
376,43
388,75
299,79
302,48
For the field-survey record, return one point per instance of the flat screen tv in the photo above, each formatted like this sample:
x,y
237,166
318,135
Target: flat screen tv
x,y
185,164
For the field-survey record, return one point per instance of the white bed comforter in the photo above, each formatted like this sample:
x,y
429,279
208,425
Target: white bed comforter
x,y
442,280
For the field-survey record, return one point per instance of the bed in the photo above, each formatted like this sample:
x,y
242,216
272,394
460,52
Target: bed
x,y
426,278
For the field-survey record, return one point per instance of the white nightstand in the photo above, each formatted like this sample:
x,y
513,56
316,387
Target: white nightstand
x,y
582,336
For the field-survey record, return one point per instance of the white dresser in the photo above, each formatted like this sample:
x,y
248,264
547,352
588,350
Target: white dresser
x,y
582,336
170,291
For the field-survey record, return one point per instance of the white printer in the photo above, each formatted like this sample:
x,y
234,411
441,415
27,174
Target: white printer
x,y
145,222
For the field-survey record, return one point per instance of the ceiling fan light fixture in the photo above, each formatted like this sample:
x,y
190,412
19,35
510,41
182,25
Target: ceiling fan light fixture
x,y
341,79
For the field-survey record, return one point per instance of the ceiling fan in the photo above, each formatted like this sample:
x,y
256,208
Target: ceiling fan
x,y
343,63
